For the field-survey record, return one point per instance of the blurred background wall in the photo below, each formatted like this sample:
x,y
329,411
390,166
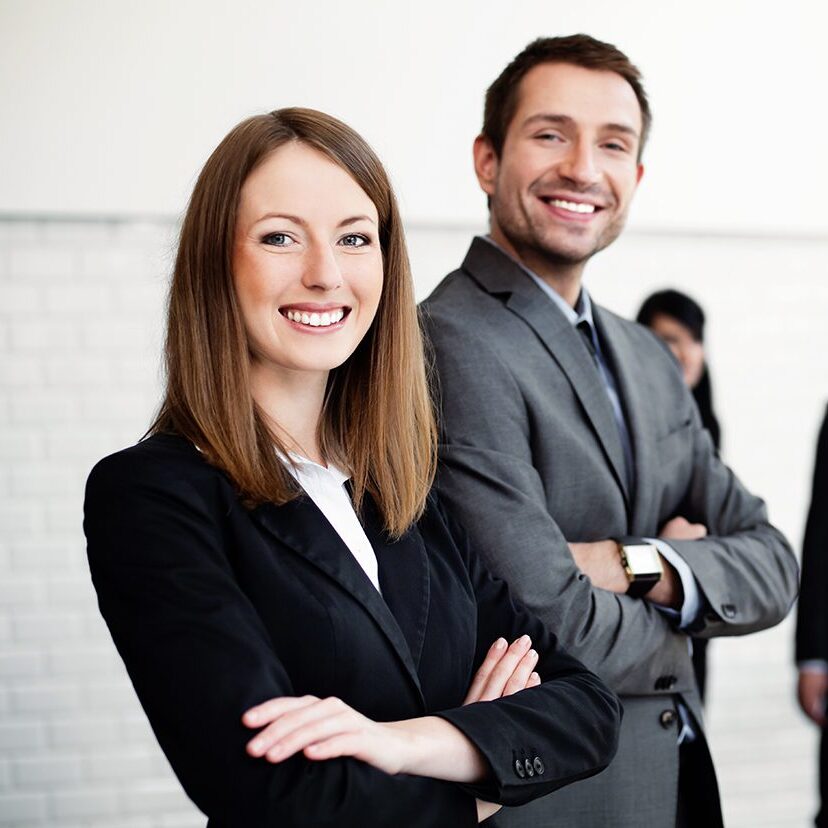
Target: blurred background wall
x,y
110,108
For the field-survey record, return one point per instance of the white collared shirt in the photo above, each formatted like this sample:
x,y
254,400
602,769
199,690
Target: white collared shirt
x,y
326,488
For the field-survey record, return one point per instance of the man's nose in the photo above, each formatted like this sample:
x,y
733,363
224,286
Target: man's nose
x,y
580,164
322,270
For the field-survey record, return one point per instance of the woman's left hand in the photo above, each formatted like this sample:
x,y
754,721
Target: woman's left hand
x,y
322,729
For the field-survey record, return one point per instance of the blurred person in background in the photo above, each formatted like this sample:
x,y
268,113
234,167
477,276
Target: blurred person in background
x,y
678,320
310,634
812,614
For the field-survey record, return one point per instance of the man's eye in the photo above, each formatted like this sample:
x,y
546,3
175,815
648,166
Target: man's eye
x,y
615,146
355,240
549,136
277,239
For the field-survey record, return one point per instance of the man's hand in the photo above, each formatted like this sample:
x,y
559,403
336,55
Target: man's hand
x,y
681,529
601,563
812,691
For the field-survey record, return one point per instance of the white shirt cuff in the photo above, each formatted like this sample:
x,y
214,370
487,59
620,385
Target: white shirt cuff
x,y
692,598
813,665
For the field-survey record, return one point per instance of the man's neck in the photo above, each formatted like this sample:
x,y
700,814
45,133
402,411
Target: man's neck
x,y
564,279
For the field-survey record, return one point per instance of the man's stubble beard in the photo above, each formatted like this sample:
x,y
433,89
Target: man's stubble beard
x,y
529,243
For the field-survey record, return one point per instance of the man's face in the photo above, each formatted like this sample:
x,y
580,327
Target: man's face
x,y
563,184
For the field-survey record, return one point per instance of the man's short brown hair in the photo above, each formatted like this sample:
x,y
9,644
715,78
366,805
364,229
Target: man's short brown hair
x,y
579,50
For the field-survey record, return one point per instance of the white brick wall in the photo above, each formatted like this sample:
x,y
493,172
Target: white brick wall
x,y
80,334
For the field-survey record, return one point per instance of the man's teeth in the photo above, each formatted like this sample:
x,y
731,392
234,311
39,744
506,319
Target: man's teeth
x,y
316,320
572,206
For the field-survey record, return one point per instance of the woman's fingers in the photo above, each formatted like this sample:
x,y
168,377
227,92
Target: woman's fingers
x,y
496,652
284,736
520,677
265,712
497,681
534,681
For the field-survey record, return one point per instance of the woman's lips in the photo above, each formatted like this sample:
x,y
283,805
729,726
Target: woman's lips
x,y
307,317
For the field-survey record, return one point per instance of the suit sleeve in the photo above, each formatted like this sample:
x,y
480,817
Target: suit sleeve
x,y
745,567
199,656
812,613
543,738
487,480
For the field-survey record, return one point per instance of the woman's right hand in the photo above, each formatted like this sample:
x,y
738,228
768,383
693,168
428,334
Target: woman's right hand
x,y
505,670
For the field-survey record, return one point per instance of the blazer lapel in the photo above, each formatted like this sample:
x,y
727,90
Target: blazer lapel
x,y
404,578
639,410
498,274
300,525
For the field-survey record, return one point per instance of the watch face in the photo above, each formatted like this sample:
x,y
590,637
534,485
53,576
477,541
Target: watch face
x,y
643,559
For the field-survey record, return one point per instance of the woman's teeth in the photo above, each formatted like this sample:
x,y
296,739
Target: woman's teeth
x,y
316,320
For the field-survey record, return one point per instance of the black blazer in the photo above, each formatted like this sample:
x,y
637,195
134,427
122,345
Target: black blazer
x,y
812,613
215,608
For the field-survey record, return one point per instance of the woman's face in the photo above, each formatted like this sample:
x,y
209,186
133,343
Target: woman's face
x,y
687,350
307,265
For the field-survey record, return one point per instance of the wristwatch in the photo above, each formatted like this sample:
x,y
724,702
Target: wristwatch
x,y
642,563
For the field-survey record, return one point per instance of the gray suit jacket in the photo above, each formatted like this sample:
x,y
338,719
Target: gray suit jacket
x,y
531,460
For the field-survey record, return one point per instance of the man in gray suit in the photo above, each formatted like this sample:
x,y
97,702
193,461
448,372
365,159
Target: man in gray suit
x,y
572,450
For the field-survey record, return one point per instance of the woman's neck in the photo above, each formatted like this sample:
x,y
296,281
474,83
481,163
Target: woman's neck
x,y
292,401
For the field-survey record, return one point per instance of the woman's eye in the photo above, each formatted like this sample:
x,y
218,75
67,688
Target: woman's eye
x,y
355,240
277,239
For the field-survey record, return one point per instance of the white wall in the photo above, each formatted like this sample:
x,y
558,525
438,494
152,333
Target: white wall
x,y
109,109
112,106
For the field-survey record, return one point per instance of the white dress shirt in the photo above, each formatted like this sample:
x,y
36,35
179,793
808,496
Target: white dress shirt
x,y
326,488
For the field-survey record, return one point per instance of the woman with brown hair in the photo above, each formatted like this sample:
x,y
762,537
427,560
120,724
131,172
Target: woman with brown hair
x,y
308,632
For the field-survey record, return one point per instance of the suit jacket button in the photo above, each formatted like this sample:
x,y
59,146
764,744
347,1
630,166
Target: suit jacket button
x,y
519,769
530,771
728,610
667,719
671,680
539,766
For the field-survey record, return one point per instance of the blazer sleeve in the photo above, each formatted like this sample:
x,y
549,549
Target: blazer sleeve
x,y
199,655
543,738
488,481
745,568
812,613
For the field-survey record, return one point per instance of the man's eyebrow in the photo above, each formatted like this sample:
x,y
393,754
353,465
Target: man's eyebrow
x,y
302,223
566,120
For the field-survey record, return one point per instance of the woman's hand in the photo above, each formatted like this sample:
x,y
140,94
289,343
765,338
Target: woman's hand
x,y
322,729
504,671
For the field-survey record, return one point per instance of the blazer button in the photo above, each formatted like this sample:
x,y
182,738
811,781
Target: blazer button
x,y
519,769
530,771
539,766
667,719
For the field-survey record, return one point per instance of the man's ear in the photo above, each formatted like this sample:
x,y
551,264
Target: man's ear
x,y
485,164
639,174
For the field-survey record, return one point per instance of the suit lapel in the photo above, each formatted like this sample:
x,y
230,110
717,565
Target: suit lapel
x,y
639,411
404,578
300,525
498,274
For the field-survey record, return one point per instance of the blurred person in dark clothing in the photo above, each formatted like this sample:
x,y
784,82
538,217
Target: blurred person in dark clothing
x,y
678,320
812,615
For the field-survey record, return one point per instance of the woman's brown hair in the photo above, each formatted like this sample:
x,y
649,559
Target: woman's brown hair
x,y
377,417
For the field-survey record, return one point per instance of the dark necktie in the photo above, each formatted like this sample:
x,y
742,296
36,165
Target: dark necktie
x,y
586,331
